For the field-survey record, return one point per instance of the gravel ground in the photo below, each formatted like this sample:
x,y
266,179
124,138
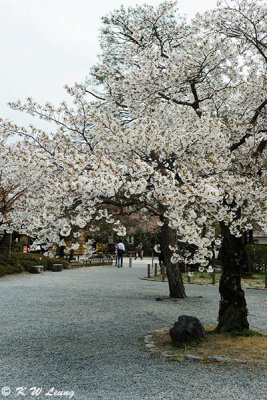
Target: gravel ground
x,y
81,331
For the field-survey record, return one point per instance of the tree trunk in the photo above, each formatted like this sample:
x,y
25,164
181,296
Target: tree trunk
x,y
246,267
61,252
71,256
176,285
233,307
5,244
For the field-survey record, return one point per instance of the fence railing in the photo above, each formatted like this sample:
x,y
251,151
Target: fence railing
x,y
93,262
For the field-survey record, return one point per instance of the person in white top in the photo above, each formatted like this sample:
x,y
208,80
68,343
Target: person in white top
x,y
120,252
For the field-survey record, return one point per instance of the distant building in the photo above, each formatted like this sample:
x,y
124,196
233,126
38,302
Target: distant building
x,y
260,237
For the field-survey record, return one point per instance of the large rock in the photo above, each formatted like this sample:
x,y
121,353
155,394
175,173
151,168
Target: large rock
x,y
186,330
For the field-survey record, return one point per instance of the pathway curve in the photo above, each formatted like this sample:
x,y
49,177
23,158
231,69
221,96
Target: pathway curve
x,y
81,330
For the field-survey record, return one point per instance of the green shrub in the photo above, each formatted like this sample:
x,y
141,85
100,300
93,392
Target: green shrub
x,y
19,247
20,262
9,266
50,261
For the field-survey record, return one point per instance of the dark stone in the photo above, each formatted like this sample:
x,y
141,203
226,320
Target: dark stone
x,y
37,269
187,329
57,267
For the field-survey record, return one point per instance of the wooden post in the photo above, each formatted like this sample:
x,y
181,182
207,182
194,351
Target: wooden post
x,y
188,276
213,277
130,262
162,273
148,270
156,269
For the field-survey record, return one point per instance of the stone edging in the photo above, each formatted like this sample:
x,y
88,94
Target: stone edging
x,y
170,354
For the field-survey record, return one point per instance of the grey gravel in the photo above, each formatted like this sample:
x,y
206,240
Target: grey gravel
x,y
83,330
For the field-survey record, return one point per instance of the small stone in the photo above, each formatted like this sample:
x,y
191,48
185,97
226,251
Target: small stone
x,y
148,337
150,346
154,350
37,269
57,267
192,358
168,353
219,358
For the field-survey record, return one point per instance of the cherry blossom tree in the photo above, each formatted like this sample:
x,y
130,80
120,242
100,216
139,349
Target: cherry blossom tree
x,y
243,24
216,68
171,120
12,192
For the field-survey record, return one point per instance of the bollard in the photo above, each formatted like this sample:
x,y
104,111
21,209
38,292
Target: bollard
x,y
130,262
188,275
266,280
148,270
156,269
213,277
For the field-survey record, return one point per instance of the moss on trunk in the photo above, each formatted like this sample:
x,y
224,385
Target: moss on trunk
x,y
233,307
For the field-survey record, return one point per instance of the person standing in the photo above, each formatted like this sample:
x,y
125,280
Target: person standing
x,y
120,252
140,250
136,252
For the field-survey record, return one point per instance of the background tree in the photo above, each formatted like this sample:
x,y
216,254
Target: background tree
x,y
12,191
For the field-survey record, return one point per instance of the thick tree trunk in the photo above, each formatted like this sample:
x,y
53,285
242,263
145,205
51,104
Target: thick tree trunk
x,y
176,285
233,307
5,244
246,267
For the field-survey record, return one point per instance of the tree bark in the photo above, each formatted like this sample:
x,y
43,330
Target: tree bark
x,y
246,267
5,244
176,285
233,307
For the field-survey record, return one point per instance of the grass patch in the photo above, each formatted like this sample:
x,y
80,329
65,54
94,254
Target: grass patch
x,y
247,345
205,278
244,333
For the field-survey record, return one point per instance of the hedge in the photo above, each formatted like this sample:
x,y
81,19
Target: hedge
x,y
21,262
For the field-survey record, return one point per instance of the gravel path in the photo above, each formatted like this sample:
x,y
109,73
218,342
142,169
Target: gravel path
x,y
81,330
